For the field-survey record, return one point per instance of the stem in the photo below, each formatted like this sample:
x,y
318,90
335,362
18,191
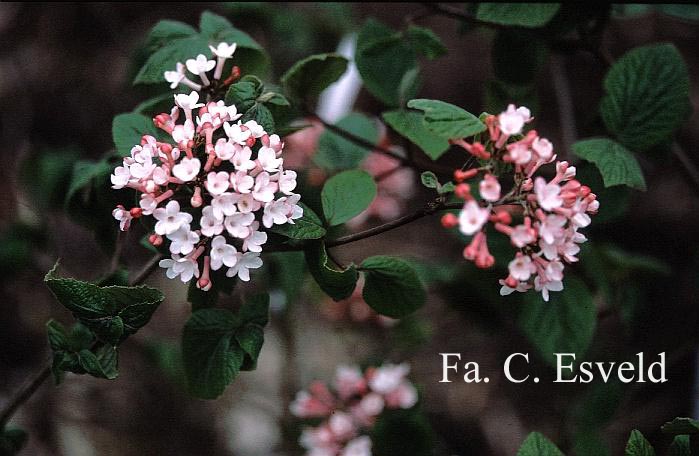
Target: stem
x,y
427,210
33,383
688,165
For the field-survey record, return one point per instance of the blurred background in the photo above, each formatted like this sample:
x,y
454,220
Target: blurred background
x,y
66,71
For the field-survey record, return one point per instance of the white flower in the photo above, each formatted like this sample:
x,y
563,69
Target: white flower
x,y
521,268
187,169
552,228
388,377
217,183
143,170
185,267
268,160
489,188
246,261
224,204
188,102
512,121
161,175
519,153
222,254
472,217
120,177
175,77
522,235
287,182
256,130
246,203
224,149
184,133
200,65
170,219
256,239
372,404
283,210
236,134
123,216
545,286
147,203
242,182
210,224
506,290
548,195
241,159
361,446
183,240
238,223
341,425
543,148
264,189
223,50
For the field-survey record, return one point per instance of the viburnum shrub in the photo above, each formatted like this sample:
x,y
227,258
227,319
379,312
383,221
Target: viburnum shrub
x,y
549,212
214,185
200,174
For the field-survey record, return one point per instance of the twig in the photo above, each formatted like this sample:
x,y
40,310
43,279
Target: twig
x,y
688,165
564,99
33,383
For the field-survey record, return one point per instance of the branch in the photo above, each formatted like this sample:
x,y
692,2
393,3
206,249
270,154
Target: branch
x,y
688,165
33,383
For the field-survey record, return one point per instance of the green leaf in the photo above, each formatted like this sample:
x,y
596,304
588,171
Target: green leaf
x,y
647,96
307,78
392,286
57,334
446,120
530,15
113,312
128,129
184,45
12,440
681,426
243,94
346,195
102,364
617,165
425,42
402,433
565,324
335,152
536,444
429,179
217,344
518,56
410,125
260,114
680,446
638,445
336,283
383,58
166,31
309,226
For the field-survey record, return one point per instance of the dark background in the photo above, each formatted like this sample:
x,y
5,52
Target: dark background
x,y
65,71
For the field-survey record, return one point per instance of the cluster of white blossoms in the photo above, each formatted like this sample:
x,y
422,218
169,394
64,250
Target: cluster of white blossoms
x,y
211,188
350,409
551,212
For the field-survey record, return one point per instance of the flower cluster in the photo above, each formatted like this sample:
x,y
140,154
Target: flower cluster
x,y
212,185
551,212
351,408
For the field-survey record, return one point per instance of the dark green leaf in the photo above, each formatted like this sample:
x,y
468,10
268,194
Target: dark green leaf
x,y
335,152
680,426
392,286
217,344
518,56
307,78
211,24
113,313
383,58
680,446
260,114
647,96
167,57
58,336
307,227
243,94
102,364
346,195
410,125
536,444
638,445
337,283
166,31
517,14
617,165
128,129
402,433
446,120
429,179
425,42
565,324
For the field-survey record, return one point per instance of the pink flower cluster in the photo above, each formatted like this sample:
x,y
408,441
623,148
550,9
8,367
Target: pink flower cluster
x,y
212,187
351,409
551,212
